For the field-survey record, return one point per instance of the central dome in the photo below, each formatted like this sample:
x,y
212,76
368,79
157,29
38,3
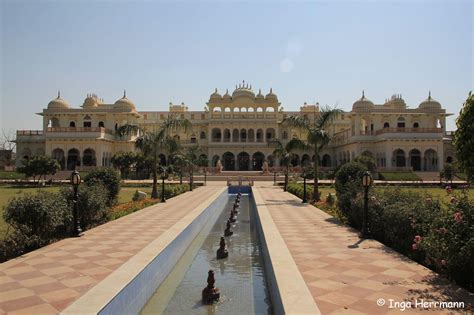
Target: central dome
x,y
243,90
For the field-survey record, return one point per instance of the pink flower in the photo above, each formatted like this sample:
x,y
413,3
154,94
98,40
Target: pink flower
x,y
417,239
457,217
443,262
414,246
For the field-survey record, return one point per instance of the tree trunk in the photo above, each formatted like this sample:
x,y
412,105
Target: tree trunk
x,y
154,192
315,187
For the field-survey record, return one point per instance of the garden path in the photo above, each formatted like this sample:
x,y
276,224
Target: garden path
x,y
47,280
346,275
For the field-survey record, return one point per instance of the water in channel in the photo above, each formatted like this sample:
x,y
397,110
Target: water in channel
x,y
240,277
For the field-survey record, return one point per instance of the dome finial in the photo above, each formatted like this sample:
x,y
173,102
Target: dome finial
x,y
271,90
124,93
59,94
429,94
215,91
363,93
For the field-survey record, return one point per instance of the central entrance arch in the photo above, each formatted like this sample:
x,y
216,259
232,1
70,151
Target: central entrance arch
x,y
229,161
415,160
243,161
257,161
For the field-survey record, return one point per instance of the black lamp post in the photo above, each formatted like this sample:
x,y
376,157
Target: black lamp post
x,y
75,181
366,182
205,176
305,176
164,175
274,176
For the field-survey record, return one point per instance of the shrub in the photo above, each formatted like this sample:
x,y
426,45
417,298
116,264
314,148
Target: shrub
x,y
107,177
330,199
399,176
449,242
40,218
348,185
92,204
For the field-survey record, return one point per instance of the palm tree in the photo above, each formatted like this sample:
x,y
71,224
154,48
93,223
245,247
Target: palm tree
x,y
150,143
189,158
317,135
286,153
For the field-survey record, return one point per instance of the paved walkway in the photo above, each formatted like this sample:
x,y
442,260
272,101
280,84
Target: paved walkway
x,y
46,281
345,275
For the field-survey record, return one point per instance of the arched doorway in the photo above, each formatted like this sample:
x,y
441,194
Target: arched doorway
x,y
243,161
295,160
73,159
235,135
88,158
58,155
257,161
228,161
326,160
305,160
399,158
431,160
415,159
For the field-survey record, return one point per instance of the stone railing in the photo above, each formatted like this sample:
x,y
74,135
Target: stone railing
x,y
29,132
408,130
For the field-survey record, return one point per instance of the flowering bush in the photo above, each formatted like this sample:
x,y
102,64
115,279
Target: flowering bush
x,y
449,242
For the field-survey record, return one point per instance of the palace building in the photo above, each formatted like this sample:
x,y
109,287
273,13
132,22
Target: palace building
x,y
235,128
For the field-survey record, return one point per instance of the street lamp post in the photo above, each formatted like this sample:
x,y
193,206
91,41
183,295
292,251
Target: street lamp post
x,y
274,176
164,175
366,182
305,174
75,181
205,176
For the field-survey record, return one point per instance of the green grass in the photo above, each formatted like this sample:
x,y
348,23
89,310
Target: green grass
x,y
11,175
9,192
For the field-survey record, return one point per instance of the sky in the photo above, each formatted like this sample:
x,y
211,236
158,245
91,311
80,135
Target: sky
x,y
161,52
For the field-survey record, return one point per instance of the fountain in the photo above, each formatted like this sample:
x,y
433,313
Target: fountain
x,y
241,277
222,251
210,294
228,231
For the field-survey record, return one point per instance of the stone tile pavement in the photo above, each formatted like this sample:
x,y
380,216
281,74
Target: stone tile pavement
x,y
47,280
348,276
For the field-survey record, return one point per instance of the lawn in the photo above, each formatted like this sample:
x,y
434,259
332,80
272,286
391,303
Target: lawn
x,y
11,175
8,192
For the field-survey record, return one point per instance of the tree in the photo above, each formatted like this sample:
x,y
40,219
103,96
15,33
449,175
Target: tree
x,y
8,144
286,153
40,166
317,135
189,159
150,143
124,161
463,140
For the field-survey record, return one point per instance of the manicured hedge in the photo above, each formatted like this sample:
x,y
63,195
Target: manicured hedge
x,y
399,176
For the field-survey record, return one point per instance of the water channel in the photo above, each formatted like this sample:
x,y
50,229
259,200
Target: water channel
x,y
240,277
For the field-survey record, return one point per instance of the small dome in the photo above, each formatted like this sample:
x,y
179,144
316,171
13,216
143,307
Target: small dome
x,y
271,95
124,104
430,103
58,103
260,95
363,103
227,95
216,95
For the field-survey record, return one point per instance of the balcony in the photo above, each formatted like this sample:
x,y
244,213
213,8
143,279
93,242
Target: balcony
x,y
78,129
29,135
408,130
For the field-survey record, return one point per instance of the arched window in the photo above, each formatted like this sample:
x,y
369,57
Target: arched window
x,y
386,125
202,135
259,135
250,110
216,135
217,109
416,125
243,135
227,110
270,133
72,124
226,135
193,138
270,109
101,124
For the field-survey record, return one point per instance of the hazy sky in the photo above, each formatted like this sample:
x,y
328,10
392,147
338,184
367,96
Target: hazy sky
x,y
324,51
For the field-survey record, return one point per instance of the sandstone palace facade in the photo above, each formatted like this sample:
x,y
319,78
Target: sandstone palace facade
x,y
235,128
